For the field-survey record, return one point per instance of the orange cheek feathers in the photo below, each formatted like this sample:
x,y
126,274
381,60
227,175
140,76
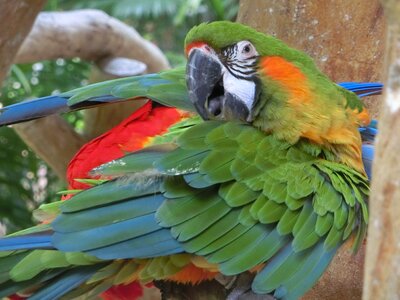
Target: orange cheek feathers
x,y
288,75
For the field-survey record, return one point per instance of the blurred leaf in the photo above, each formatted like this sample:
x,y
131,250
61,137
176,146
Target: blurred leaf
x,y
22,78
25,180
218,7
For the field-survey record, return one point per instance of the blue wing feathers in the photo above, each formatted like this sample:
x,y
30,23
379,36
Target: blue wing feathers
x,y
34,241
103,236
368,135
121,229
65,283
299,271
33,109
111,214
368,151
11,287
363,89
158,243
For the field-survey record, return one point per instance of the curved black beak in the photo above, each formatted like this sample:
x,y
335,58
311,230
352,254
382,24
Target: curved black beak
x,y
204,79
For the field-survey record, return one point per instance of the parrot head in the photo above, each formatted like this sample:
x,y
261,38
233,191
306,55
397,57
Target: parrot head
x,y
237,73
224,64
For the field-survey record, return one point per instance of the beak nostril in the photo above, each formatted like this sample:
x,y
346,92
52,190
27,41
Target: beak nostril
x,y
214,107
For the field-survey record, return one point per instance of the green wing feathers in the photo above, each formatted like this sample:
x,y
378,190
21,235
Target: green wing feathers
x,y
252,199
167,88
224,191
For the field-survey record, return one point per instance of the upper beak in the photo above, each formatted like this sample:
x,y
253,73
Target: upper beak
x,y
205,82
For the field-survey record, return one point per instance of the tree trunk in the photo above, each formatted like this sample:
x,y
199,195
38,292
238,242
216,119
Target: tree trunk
x,y
382,269
346,39
17,17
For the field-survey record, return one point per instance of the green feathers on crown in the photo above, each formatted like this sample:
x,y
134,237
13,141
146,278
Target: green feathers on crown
x,y
224,33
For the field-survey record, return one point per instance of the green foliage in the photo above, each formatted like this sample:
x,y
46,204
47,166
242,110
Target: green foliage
x,y
25,180
163,22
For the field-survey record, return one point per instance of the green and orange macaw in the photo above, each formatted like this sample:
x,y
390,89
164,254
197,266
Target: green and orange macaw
x,y
270,180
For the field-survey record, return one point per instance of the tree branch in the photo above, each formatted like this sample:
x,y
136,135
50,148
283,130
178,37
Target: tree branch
x,y
53,139
17,18
94,36
89,34
382,266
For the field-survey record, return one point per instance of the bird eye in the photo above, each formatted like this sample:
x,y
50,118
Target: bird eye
x,y
246,50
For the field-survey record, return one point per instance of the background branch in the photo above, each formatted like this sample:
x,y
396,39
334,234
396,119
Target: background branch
x,y
52,139
91,35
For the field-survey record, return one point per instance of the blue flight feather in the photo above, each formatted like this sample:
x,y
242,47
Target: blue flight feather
x,y
368,135
11,287
297,288
258,284
33,109
367,157
363,89
105,235
109,214
65,283
311,265
158,243
26,242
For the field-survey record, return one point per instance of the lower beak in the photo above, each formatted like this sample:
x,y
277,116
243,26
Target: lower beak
x,y
204,78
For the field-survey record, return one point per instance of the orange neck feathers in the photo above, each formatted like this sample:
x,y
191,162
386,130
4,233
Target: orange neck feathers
x,y
298,109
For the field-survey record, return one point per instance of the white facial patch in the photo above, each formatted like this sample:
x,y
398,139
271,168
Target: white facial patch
x,y
244,89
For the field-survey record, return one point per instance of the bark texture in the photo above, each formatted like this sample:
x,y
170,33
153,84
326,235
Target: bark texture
x,y
52,139
382,269
91,35
17,17
346,38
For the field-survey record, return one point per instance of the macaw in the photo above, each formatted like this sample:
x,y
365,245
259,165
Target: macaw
x,y
269,180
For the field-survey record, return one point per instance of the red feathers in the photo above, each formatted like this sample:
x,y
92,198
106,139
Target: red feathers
x,y
130,135
129,291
